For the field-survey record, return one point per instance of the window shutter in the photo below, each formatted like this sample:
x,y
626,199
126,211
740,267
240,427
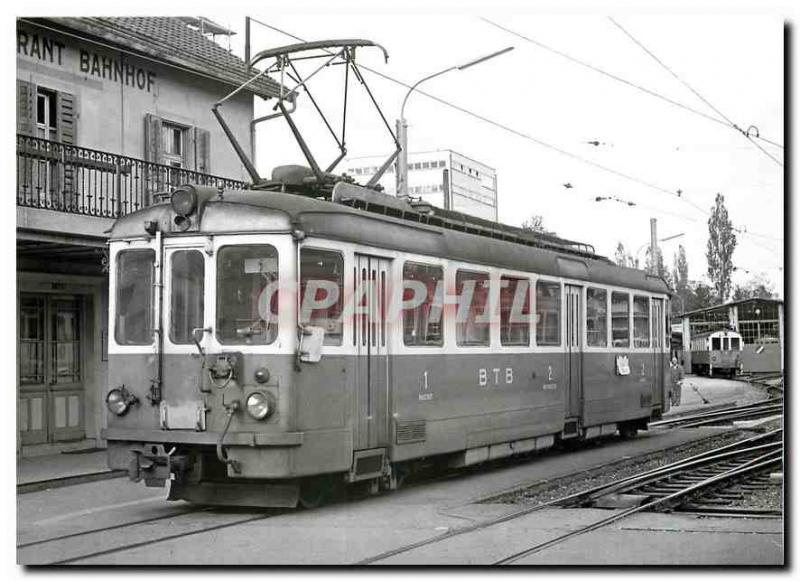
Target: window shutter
x,y
67,113
26,108
202,150
152,139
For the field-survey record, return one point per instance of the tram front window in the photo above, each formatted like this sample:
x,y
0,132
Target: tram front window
x,y
133,324
247,295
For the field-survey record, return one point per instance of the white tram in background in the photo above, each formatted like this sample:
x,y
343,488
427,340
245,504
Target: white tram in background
x,y
270,345
717,352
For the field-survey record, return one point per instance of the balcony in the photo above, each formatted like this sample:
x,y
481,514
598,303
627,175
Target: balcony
x,y
87,182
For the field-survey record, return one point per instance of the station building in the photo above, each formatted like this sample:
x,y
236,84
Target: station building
x,y
445,179
109,111
760,323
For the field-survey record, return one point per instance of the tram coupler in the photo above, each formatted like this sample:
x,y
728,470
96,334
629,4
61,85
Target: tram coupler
x,y
153,464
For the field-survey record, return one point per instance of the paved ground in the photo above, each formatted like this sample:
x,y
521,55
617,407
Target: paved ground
x,y
350,532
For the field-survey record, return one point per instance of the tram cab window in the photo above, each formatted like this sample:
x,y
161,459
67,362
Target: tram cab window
x,y
423,297
641,322
726,346
321,292
515,311
735,344
715,344
247,295
472,320
596,317
548,313
133,323
187,280
620,315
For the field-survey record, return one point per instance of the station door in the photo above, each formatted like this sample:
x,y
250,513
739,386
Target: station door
x,y
50,368
574,350
370,333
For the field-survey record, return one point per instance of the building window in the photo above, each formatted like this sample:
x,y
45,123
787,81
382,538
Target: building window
x,y
423,297
620,320
46,116
472,321
173,143
548,313
596,317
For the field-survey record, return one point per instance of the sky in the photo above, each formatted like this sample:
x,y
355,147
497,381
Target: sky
x,y
732,64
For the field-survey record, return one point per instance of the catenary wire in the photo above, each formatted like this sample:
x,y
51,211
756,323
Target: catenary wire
x,y
619,79
699,96
517,132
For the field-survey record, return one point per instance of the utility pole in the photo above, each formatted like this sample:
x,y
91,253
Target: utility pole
x,y
653,246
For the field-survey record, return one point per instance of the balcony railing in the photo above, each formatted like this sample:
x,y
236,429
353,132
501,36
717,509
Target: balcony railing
x,y
78,180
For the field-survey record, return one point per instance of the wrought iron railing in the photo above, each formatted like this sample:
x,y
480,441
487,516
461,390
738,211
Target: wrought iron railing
x,y
78,180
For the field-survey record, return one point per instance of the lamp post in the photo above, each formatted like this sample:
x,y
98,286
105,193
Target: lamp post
x,y
402,126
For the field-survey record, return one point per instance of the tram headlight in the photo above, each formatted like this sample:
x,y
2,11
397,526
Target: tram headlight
x,y
260,405
183,201
119,401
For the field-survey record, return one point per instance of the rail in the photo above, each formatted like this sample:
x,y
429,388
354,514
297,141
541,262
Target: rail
x,y
77,180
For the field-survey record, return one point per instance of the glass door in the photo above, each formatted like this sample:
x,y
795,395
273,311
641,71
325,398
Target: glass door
x,y
51,390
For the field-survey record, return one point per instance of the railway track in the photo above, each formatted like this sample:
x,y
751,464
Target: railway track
x,y
756,410
664,488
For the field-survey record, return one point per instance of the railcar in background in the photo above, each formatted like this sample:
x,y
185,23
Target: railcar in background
x,y
717,353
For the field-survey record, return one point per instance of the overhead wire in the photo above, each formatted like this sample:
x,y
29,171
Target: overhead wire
x,y
525,135
699,96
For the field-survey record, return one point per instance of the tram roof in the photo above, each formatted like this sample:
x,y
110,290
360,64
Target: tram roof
x,y
324,219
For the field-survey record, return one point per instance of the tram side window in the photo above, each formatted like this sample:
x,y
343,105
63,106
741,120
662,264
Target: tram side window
x,y
620,314
423,297
247,295
715,344
186,303
133,324
472,321
641,322
321,292
515,311
735,344
596,317
548,313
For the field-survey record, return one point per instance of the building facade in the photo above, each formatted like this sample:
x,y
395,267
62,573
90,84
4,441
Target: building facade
x,y
109,112
445,179
760,323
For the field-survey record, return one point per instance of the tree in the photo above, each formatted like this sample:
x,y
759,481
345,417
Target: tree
x,y
700,297
535,224
680,280
756,287
720,247
624,258
659,269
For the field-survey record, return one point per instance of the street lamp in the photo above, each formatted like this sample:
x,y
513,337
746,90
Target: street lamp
x,y
402,126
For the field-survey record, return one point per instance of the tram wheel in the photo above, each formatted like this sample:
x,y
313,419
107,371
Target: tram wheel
x,y
627,431
315,491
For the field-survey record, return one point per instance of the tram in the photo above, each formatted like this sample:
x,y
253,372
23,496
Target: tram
x,y
269,345
717,353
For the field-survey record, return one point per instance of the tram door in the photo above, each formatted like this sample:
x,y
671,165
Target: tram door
x,y
659,342
370,337
574,351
